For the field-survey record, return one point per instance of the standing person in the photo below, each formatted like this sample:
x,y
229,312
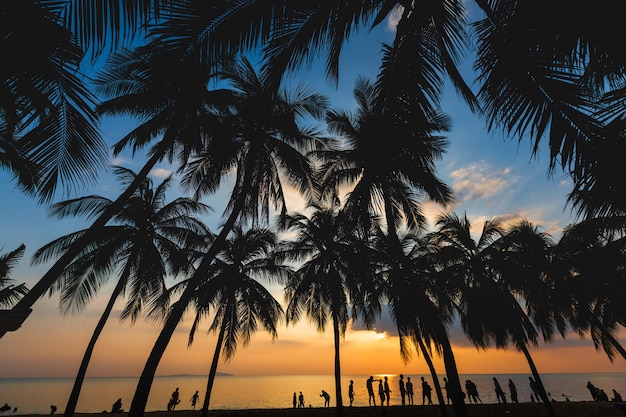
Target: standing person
x,y
533,389
593,390
194,399
326,398
513,391
402,389
174,399
387,390
381,392
295,400
351,392
445,386
409,390
499,392
426,395
370,391
300,400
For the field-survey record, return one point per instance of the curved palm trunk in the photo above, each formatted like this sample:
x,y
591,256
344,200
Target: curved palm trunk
x,y
542,390
70,408
336,336
454,382
433,373
40,288
213,372
140,399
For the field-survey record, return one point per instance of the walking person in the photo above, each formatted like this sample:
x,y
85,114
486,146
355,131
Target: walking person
x,y
499,392
174,400
409,390
513,391
351,392
370,391
300,400
194,399
402,390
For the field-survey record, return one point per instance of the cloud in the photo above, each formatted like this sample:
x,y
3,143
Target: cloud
x,y
161,172
480,181
384,324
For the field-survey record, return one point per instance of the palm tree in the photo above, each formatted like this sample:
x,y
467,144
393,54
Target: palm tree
x,y
487,287
330,268
588,274
239,302
265,147
10,294
148,241
46,109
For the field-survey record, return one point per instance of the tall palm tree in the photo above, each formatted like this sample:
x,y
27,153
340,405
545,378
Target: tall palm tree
x,y
148,242
330,268
265,147
388,181
238,300
487,288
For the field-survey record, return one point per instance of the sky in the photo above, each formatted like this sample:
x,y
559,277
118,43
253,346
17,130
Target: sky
x,y
491,175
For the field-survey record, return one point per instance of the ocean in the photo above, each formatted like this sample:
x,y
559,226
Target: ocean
x,y
35,395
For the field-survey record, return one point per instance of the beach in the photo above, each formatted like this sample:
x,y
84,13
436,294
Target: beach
x,y
561,409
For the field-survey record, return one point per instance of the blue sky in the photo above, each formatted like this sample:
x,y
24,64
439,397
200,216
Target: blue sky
x,y
491,175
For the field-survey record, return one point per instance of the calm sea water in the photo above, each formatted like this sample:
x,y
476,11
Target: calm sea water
x,y
34,396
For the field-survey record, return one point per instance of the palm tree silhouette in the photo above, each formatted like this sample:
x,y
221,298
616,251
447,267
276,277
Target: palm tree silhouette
x,y
238,300
149,240
264,146
477,269
10,294
330,256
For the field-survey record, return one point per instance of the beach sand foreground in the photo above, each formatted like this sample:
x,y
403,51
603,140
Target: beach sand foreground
x,y
561,409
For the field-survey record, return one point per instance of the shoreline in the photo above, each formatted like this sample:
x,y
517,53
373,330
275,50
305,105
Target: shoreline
x,y
561,409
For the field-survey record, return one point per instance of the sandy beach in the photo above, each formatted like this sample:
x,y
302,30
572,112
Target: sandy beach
x,y
561,409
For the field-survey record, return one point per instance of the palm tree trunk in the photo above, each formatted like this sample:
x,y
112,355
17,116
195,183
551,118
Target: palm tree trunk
x,y
70,408
542,390
140,399
213,371
433,373
59,266
336,336
454,382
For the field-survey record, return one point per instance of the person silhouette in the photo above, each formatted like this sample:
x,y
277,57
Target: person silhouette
x,y
381,392
426,392
402,389
295,400
174,399
501,397
409,390
370,391
616,396
194,400
387,390
513,391
445,386
53,409
117,406
300,400
533,388
351,392
326,398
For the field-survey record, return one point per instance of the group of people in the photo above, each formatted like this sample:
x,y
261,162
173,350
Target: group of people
x,y
298,401
598,394
384,392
